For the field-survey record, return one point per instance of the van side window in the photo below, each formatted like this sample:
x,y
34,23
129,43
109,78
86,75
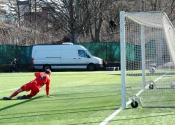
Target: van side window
x,y
81,53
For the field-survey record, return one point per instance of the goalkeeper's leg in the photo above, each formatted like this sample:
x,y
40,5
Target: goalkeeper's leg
x,y
33,92
25,87
16,92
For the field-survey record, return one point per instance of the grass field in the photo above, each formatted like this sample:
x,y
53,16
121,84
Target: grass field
x,y
80,98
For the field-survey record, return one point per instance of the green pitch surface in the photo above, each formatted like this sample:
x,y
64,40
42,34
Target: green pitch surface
x,y
80,98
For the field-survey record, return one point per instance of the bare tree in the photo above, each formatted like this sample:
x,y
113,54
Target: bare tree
x,y
79,17
70,16
79,20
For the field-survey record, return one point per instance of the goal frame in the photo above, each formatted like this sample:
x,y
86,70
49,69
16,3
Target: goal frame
x,y
123,54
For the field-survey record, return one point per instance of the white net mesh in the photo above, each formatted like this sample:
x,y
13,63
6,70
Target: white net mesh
x,y
150,42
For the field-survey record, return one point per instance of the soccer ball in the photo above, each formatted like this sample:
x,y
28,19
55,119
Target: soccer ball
x,y
152,69
172,85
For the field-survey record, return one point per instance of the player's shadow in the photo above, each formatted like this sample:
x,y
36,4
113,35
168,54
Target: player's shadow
x,y
26,100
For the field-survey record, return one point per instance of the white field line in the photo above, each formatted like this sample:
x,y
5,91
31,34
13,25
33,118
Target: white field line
x,y
9,90
129,102
161,76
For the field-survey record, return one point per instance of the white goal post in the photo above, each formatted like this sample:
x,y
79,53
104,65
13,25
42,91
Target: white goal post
x,y
147,39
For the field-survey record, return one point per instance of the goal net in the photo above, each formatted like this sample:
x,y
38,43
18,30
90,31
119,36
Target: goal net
x,y
147,43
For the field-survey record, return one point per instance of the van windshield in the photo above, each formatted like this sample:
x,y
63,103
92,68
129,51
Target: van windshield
x,y
84,53
88,52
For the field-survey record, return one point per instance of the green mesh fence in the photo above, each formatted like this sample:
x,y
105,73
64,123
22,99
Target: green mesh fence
x,y
108,51
21,53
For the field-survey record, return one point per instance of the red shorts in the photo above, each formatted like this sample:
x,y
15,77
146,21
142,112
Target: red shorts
x,y
30,87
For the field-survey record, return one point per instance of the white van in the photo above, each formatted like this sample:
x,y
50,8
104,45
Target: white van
x,y
65,56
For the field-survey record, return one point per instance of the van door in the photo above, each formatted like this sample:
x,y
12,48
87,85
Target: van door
x,y
54,58
47,57
83,59
69,58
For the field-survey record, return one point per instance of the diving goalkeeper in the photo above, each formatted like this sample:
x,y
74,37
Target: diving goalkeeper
x,y
34,86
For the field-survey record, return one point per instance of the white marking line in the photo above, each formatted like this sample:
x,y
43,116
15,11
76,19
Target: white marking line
x,y
8,90
111,116
129,102
161,76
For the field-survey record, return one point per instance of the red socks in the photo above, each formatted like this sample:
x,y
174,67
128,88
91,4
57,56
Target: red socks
x,y
14,94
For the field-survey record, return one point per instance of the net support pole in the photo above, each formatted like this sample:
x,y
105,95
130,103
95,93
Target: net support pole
x,y
143,55
123,58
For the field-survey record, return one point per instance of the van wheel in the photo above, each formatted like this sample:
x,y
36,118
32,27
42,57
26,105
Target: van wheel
x,y
91,67
45,67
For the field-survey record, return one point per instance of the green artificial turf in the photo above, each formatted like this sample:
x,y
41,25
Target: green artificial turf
x,y
79,98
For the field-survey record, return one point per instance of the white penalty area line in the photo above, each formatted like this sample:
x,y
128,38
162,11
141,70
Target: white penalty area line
x,y
129,102
161,76
114,114
9,90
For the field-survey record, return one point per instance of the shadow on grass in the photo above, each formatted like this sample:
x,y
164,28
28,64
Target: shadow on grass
x,y
66,109
23,101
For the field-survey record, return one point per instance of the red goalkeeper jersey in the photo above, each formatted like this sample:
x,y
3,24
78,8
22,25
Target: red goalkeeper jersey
x,y
41,79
